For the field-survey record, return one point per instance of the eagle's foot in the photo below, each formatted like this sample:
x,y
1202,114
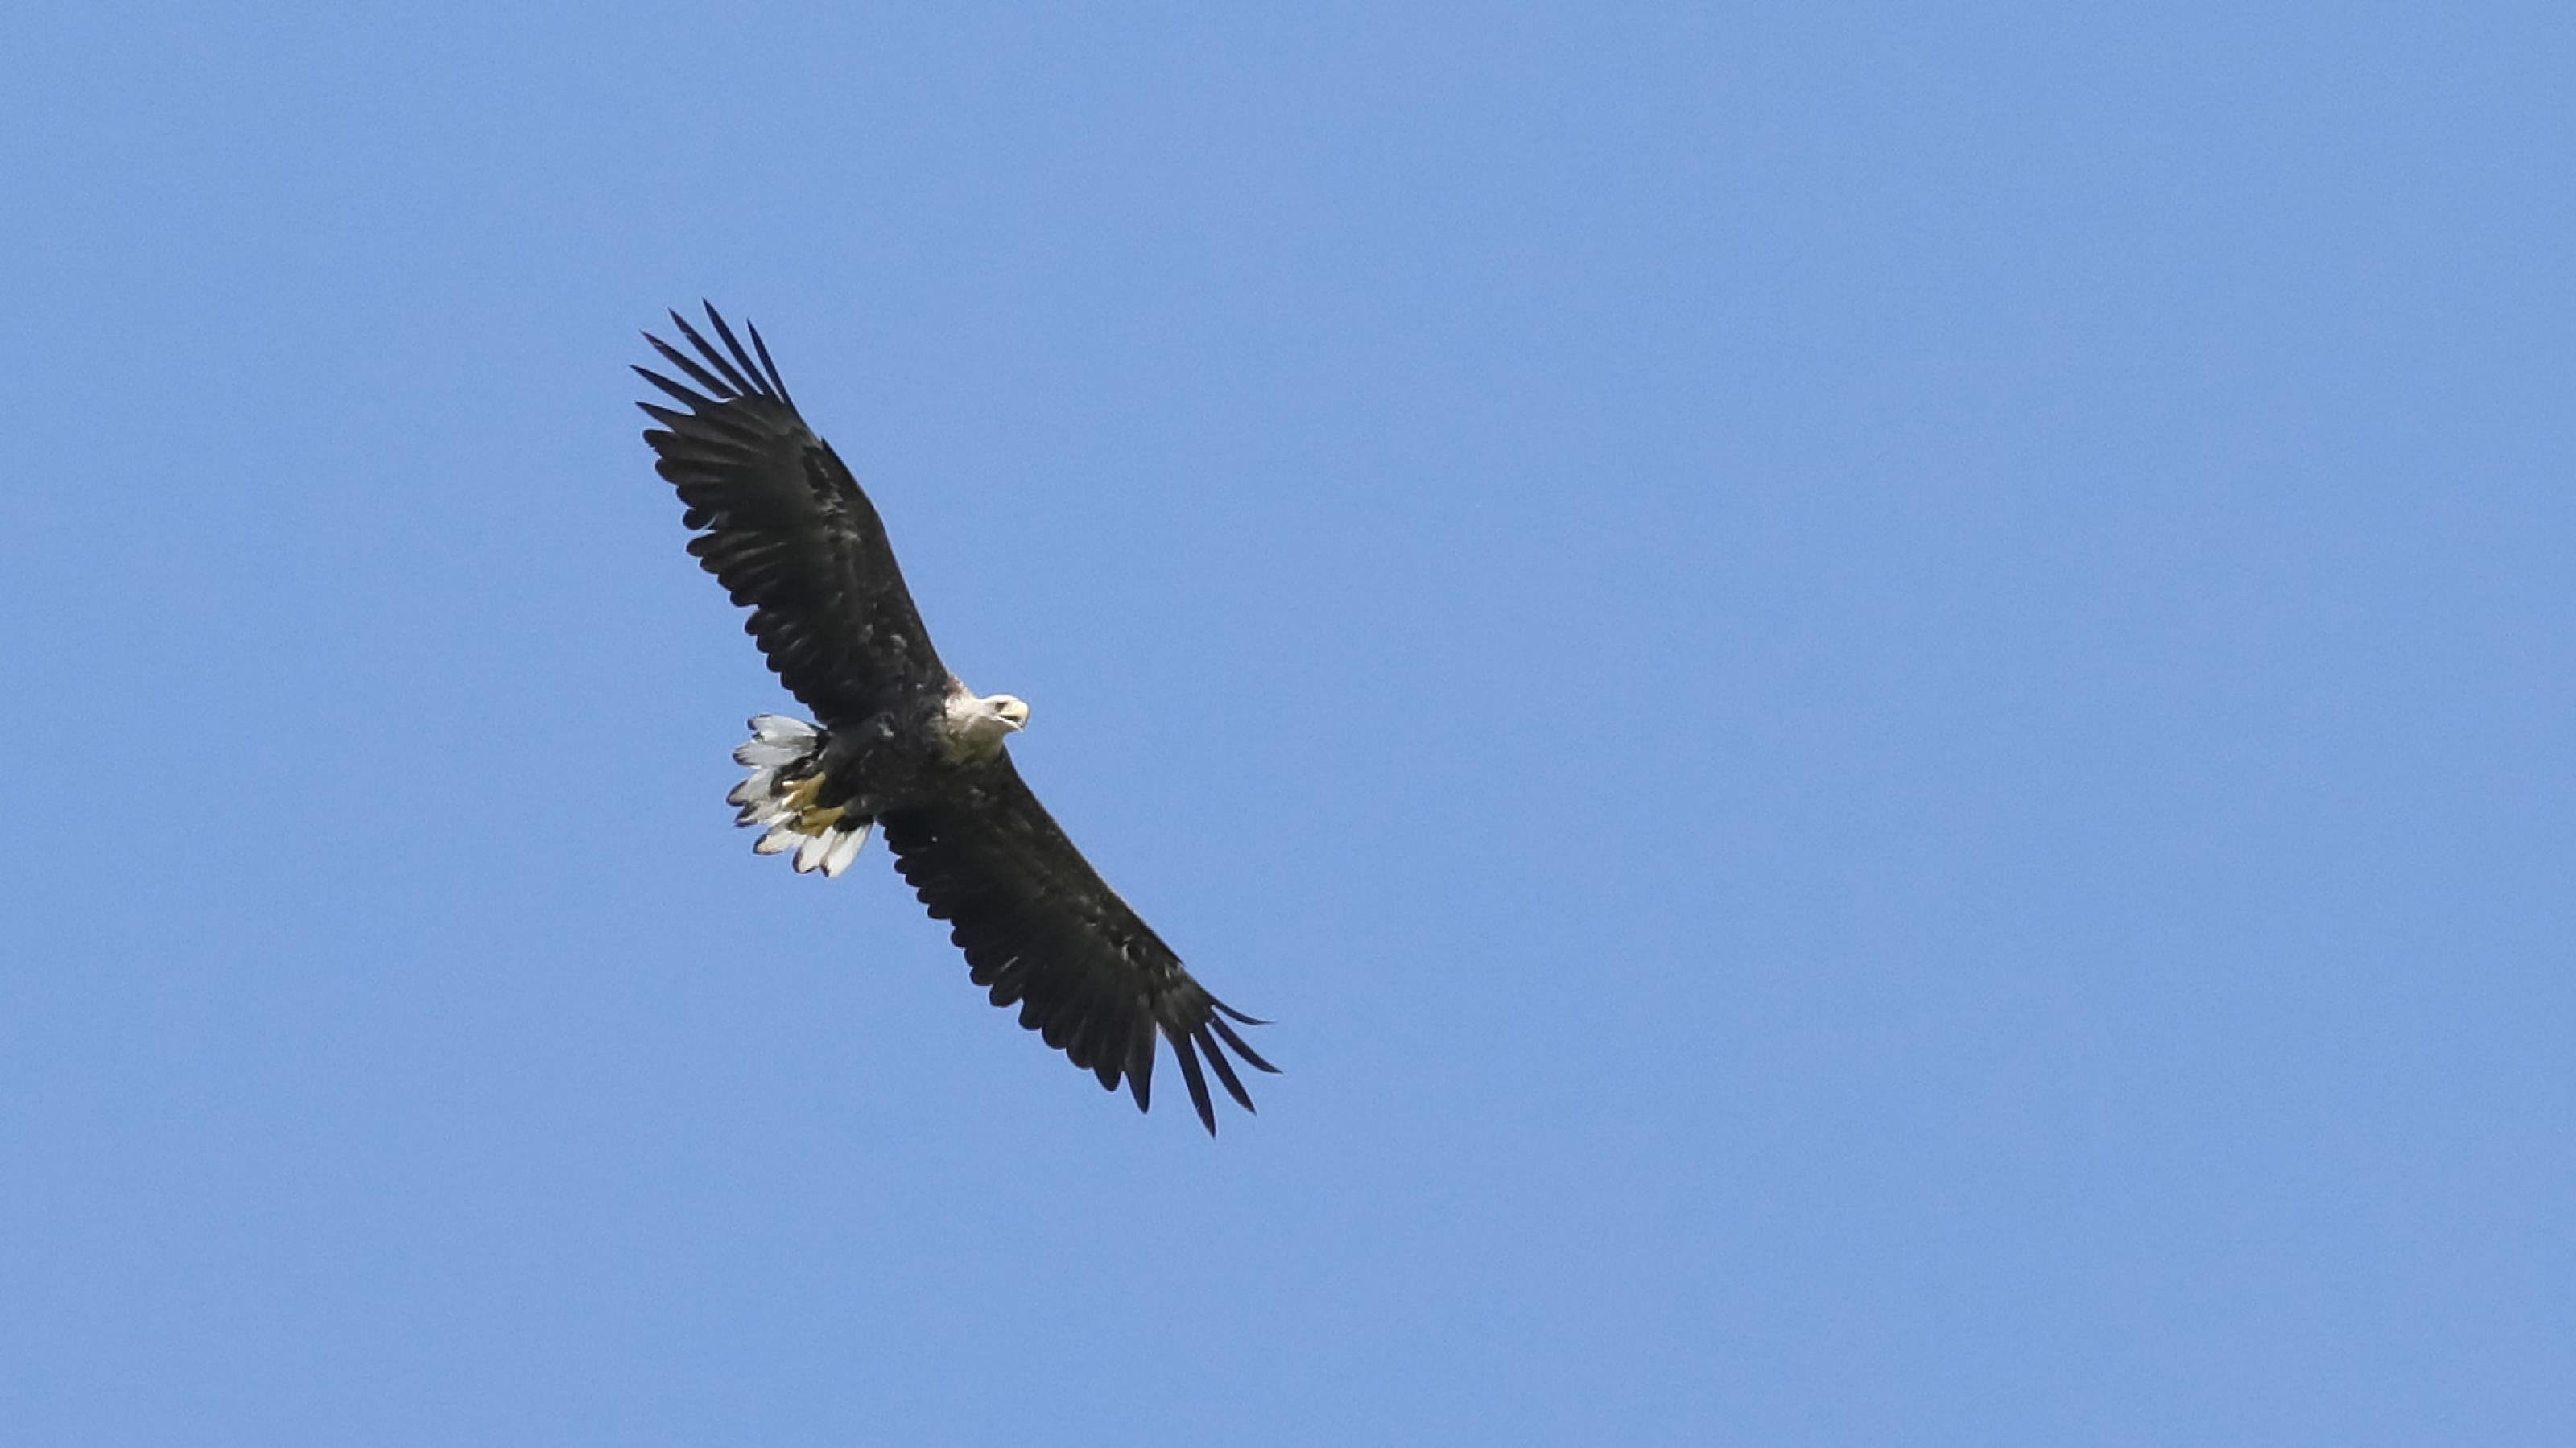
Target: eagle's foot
x,y
786,759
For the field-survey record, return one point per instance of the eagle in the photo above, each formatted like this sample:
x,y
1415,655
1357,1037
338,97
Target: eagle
x,y
898,743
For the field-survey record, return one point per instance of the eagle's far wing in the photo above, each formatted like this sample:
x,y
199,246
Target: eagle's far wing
x,y
1042,929
783,526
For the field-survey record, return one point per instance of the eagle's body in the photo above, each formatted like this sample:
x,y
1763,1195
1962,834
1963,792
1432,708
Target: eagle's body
x,y
901,743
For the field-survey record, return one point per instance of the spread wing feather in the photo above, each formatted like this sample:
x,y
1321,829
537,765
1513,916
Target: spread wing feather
x,y
1042,930
782,525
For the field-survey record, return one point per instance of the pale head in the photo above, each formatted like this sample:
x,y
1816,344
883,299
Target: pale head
x,y
977,726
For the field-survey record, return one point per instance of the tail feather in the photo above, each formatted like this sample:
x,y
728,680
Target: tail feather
x,y
753,794
846,849
786,756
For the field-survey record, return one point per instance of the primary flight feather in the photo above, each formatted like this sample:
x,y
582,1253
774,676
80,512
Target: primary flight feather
x,y
899,743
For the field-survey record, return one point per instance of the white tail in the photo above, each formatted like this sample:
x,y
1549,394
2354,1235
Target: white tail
x,y
786,759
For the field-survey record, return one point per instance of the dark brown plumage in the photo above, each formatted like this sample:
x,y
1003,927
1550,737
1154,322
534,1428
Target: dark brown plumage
x,y
782,524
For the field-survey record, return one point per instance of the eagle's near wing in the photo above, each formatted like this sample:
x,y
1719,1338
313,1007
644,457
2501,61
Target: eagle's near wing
x,y
1042,929
783,525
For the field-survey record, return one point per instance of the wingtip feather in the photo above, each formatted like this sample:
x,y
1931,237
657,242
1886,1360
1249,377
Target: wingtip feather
x,y
770,367
1225,1072
1140,1066
741,386
1196,1081
1250,1056
733,344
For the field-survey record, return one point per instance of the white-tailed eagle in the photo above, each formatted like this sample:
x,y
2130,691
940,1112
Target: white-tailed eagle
x,y
901,744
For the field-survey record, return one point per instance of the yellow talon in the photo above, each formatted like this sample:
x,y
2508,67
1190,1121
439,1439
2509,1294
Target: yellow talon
x,y
799,800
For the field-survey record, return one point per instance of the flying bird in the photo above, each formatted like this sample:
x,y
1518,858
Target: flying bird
x,y
900,744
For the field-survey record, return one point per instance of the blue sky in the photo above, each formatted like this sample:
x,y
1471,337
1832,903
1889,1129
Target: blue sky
x,y
1881,694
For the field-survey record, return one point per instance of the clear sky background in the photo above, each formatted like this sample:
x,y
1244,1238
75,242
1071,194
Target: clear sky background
x,y
1881,693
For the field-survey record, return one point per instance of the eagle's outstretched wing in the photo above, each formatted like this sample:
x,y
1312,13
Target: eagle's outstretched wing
x,y
783,525
1042,929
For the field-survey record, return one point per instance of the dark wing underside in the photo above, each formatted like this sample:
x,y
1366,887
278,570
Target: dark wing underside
x,y
1042,929
783,525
